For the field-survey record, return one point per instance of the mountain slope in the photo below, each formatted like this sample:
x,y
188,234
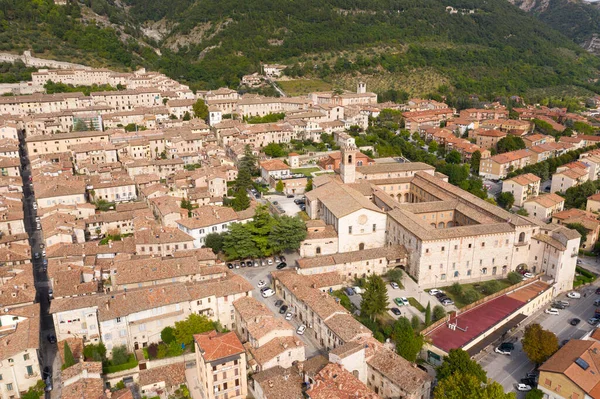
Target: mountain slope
x,y
490,48
575,19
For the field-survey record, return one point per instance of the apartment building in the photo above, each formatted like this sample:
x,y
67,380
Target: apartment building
x,y
19,351
208,219
60,191
522,187
336,381
220,366
593,203
116,188
498,166
128,99
274,168
587,219
161,241
566,178
544,206
62,143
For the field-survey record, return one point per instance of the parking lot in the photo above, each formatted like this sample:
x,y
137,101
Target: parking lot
x,y
288,205
263,273
508,370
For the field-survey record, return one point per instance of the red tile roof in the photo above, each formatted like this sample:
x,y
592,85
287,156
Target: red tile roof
x,y
218,345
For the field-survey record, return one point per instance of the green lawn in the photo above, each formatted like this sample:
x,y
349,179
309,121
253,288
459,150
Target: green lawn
x,y
299,87
416,304
306,171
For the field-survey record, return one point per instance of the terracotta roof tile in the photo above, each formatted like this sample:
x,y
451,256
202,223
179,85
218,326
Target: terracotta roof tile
x,y
218,345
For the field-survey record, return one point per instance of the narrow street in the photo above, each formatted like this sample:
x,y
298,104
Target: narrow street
x,y
48,352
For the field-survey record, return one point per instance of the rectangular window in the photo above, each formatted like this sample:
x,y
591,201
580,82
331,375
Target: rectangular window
x,y
349,229
374,227
9,387
29,370
26,356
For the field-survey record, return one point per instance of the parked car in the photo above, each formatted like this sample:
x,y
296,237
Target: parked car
x,y
579,262
507,346
36,255
523,387
256,263
574,295
301,329
230,265
275,203
47,372
278,303
598,291
299,201
35,206
48,382
552,311
261,284
289,315
349,291
51,338
398,302
593,320
405,301
283,309
442,298
502,351
558,305
269,261
527,275
281,265
290,195
574,321
396,311
435,291
237,265
447,302
50,294
43,252
564,303
440,295
263,262
38,226
357,289
268,293
394,285
528,381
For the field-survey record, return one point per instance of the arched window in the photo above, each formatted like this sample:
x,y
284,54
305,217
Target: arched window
x,y
441,225
349,159
456,273
318,250
361,246
522,237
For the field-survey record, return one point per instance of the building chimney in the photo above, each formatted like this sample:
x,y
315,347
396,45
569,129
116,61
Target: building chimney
x,y
107,305
340,387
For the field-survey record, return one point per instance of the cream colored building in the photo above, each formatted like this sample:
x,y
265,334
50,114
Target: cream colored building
x,y
544,206
19,351
67,191
565,179
220,366
62,142
498,166
522,187
593,203
117,188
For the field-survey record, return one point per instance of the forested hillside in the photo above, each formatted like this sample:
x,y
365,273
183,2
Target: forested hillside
x,y
489,48
575,19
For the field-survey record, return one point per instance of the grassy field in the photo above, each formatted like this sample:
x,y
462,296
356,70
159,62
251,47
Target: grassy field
x,y
458,300
306,171
416,304
300,87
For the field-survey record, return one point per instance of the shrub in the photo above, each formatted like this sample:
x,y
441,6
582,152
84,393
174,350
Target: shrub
x,y
153,351
395,275
95,352
415,322
119,355
163,351
490,287
456,289
470,296
167,336
438,312
514,278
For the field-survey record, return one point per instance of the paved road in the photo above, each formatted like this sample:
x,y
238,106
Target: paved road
x,y
256,274
508,370
47,351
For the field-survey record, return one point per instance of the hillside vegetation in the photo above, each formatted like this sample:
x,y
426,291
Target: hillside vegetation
x,y
490,48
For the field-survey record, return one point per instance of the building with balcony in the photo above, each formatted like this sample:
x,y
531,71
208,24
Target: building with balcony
x,y
522,187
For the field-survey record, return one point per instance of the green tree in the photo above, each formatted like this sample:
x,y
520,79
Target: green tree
x,y
238,243
491,287
428,314
580,229
539,344
454,157
514,277
459,361
215,241
456,289
438,312
523,212
309,185
119,355
287,234
466,386
93,352
274,150
475,162
395,275
69,359
506,200
200,109
241,200
194,324
415,323
279,187
408,342
167,335
35,392
510,143
534,394
187,116
375,298
433,146
80,126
